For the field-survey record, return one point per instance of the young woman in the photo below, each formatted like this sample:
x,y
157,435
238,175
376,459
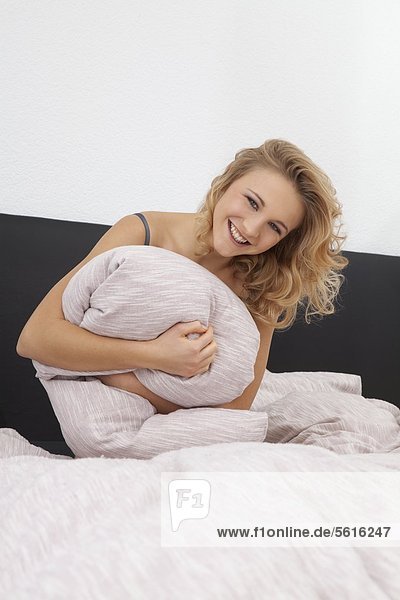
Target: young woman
x,y
268,228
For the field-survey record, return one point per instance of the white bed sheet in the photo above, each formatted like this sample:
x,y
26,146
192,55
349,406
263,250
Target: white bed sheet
x,y
90,528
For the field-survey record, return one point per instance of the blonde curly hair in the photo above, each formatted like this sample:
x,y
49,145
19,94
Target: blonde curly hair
x,y
303,268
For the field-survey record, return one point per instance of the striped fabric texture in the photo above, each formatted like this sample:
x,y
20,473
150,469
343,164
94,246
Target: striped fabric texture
x,y
137,293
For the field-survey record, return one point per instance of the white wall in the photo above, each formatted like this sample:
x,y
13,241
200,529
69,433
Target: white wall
x,y
110,107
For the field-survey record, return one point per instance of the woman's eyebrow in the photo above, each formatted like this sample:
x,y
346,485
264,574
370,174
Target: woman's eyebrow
x,y
259,197
263,203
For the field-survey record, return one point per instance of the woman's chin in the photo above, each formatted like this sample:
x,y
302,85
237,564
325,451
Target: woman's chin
x,y
223,249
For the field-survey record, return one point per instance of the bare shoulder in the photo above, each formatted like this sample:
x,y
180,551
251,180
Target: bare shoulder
x,y
170,230
158,224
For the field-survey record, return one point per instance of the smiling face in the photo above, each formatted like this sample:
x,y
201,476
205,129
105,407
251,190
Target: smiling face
x,y
263,206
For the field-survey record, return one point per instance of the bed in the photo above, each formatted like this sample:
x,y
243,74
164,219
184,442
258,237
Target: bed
x,y
92,527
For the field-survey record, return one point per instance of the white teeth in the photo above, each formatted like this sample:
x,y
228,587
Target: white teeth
x,y
236,235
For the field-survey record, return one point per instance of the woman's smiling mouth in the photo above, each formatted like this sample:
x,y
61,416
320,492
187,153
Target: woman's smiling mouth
x,y
236,236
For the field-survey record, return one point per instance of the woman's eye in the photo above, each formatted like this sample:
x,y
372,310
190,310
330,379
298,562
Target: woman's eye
x,y
250,202
276,228
254,202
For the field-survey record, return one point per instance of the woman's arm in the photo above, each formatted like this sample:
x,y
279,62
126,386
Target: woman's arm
x,y
130,383
67,346
52,340
245,401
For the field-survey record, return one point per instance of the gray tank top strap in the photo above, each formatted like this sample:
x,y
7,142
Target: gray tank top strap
x,y
146,226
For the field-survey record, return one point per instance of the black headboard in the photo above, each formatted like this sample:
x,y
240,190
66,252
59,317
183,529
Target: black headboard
x,y
362,337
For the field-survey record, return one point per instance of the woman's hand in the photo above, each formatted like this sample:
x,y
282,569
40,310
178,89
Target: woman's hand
x,y
130,383
177,354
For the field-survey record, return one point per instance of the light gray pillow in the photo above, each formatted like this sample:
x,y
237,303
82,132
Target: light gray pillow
x,y
99,420
137,293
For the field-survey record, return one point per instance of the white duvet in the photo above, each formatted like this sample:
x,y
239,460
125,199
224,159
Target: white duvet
x,y
90,528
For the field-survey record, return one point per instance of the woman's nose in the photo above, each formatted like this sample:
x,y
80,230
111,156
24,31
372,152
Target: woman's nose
x,y
251,232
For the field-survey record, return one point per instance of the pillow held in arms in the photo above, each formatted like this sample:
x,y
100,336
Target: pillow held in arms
x,y
137,293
